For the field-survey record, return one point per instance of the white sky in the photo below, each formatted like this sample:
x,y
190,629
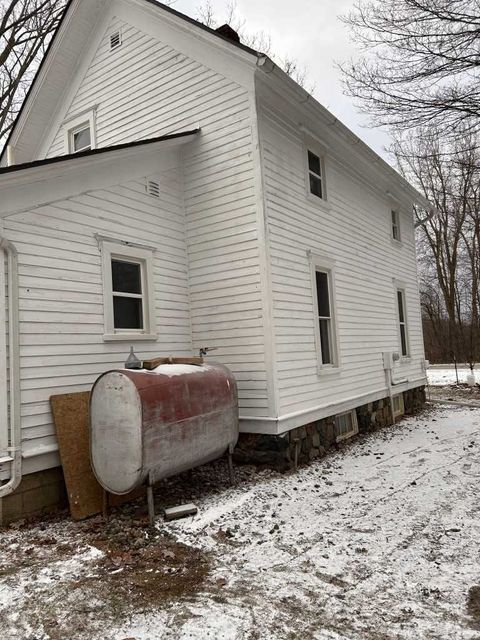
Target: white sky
x,y
311,32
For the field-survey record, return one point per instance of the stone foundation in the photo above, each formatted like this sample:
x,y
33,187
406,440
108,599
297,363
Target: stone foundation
x,y
313,440
38,493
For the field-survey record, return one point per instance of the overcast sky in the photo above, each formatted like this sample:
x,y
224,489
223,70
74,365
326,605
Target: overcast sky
x,y
311,32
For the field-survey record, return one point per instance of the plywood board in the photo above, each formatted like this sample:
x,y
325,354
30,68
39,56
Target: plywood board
x,y
85,495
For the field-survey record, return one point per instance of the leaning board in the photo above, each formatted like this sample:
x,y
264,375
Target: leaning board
x,y
72,421
71,416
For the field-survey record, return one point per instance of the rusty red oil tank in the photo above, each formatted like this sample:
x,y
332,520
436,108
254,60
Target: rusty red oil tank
x,y
148,425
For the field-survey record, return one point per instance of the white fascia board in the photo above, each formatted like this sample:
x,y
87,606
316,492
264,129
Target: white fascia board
x,y
77,11
284,86
287,422
37,186
215,53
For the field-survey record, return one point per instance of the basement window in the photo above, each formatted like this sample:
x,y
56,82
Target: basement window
x,y
398,405
128,292
346,425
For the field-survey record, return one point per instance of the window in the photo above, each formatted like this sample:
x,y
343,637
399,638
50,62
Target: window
x,y
398,406
402,321
323,295
80,132
396,225
315,175
80,138
346,425
128,292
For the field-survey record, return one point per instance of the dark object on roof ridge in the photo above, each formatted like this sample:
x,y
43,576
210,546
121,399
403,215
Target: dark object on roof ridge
x,y
227,32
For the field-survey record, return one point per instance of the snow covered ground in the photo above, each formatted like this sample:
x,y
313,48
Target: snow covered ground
x,y
378,541
446,375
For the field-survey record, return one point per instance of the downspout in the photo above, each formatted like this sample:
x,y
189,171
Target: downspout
x,y
11,435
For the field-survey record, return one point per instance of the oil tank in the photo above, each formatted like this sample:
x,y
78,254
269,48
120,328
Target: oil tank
x,y
148,425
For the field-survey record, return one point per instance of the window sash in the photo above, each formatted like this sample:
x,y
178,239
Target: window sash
x,y
324,320
402,322
131,296
315,177
395,225
74,132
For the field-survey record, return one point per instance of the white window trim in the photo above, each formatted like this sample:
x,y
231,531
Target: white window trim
x,y
73,124
327,265
144,255
396,211
401,287
354,431
315,147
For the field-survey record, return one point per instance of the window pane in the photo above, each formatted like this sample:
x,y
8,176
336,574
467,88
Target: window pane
x,y
322,294
127,313
325,341
314,163
81,139
401,313
315,186
126,277
403,338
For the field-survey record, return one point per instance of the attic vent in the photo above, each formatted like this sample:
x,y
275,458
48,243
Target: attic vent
x,y
115,40
153,188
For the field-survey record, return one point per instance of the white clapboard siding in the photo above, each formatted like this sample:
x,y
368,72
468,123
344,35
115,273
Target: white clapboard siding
x,y
354,231
145,89
61,293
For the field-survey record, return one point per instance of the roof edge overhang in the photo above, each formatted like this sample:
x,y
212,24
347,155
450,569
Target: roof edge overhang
x,y
41,182
53,45
293,92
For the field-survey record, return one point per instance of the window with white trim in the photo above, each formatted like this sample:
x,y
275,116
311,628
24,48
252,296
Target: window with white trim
x,y
324,308
316,175
80,138
80,134
128,291
402,322
346,425
396,235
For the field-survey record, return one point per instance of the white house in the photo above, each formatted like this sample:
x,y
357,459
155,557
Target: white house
x,y
169,188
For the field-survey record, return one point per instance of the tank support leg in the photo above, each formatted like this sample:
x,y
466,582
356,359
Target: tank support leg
x,y
105,505
150,502
231,447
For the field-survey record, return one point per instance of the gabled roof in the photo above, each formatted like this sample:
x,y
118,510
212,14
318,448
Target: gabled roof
x,y
63,19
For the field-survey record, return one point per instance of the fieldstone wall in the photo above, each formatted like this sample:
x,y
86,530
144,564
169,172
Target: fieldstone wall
x,y
414,400
313,440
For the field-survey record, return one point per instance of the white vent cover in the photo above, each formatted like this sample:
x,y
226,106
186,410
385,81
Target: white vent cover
x,y
115,40
153,188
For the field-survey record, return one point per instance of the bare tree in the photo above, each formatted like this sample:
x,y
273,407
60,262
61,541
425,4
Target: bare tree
x,y
258,40
448,243
421,63
25,29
